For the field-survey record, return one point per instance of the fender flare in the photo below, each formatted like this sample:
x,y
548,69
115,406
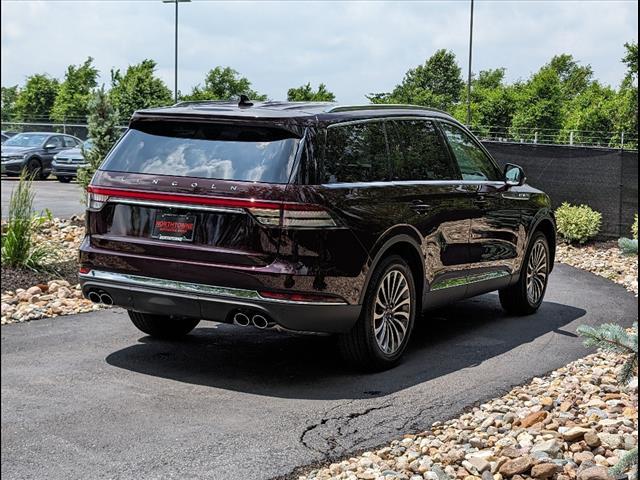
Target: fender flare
x,y
399,234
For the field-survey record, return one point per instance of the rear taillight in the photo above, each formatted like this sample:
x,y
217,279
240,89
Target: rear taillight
x,y
316,218
266,212
95,201
294,216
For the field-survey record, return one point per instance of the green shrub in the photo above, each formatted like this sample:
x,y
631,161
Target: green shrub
x,y
18,247
577,223
634,228
628,246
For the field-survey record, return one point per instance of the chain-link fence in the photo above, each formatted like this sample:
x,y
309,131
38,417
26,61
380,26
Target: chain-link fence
x,y
583,138
547,136
79,130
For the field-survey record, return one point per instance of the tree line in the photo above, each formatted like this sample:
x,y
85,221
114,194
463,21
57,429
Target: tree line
x,y
562,99
44,98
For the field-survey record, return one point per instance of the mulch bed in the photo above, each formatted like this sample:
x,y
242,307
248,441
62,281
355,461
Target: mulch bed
x,y
14,278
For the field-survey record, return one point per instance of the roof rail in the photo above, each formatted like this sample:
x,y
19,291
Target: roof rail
x,y
185,103
382,106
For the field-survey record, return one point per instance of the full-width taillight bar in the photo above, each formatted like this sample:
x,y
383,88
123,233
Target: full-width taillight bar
x,y
266,212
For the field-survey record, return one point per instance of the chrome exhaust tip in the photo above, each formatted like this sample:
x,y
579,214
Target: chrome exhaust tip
x,y
106,299
94,297
260,322
241,319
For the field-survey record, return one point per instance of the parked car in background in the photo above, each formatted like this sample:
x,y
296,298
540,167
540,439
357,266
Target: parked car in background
x,y
4,135
34,152
65,164
310,217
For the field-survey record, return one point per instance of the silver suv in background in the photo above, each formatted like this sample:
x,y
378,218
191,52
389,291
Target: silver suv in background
x,y
65,164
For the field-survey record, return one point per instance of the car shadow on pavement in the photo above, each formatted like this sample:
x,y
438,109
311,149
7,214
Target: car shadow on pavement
x,y
309,367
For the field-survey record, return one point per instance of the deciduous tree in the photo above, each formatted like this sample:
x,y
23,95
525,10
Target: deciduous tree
x,y
306,94
223,83
138,88
437,83
35,100
8,108
71,103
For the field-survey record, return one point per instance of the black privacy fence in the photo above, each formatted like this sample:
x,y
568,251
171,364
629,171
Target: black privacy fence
x,y
605,179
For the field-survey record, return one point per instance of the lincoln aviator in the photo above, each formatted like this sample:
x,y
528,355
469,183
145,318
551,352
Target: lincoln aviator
x,y
309,217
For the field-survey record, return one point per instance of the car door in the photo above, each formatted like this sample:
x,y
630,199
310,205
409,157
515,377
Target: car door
x,y
497,237
53,145
428,194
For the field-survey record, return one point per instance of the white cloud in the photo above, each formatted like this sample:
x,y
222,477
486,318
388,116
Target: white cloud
x,y
353,47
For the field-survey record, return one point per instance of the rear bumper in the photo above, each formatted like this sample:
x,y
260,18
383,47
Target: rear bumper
x,y
169,297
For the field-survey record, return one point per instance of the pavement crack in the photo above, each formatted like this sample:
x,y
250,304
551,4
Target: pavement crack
x,y
342,421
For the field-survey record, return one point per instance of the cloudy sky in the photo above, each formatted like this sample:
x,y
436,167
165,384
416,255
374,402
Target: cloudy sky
x,y
353,47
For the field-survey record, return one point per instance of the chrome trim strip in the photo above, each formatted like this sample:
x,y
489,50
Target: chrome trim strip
x,y
468,280
182,206
197,288
391,183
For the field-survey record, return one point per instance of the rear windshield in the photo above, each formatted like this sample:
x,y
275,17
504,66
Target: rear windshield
x,y
205,151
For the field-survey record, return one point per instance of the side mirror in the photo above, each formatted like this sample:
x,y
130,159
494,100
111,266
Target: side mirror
x,y
50,146
514,175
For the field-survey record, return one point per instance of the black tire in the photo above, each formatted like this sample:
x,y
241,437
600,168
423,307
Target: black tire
x,y
515,299
359,346
34,168
64,179
161,326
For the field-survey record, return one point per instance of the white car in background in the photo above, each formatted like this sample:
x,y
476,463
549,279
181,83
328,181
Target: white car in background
x,y
65,164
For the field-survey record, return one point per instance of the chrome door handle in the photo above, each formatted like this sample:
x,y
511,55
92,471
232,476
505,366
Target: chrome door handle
x,y
418,206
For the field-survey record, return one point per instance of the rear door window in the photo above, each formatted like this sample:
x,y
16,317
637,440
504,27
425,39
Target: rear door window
x,y
418,152
356,153
206,150
69,142
55,142
473,162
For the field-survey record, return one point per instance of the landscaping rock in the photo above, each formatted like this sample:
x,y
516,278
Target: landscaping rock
x,y
544,470
516,466
564,441
594,473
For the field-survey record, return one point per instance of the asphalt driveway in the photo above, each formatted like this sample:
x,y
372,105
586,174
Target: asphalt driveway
x,y
88,396
62,199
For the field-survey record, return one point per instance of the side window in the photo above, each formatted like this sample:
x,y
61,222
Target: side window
x,y
418,153
356,153
56,141
474,163
69,142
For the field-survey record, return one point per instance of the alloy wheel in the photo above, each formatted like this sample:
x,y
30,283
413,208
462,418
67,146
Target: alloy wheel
x,y
537,272
392,311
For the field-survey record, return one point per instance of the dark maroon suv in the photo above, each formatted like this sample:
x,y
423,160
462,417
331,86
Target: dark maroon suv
x,y
309,217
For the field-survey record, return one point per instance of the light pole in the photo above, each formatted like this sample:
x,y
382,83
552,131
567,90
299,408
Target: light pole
x,y
175,72
469,75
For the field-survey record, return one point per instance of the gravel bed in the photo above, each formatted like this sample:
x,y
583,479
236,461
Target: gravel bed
x,y
604,259
574,423
28,295
50,299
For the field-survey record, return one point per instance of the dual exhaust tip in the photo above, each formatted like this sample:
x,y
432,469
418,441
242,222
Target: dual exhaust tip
x,y
256,320
100,297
